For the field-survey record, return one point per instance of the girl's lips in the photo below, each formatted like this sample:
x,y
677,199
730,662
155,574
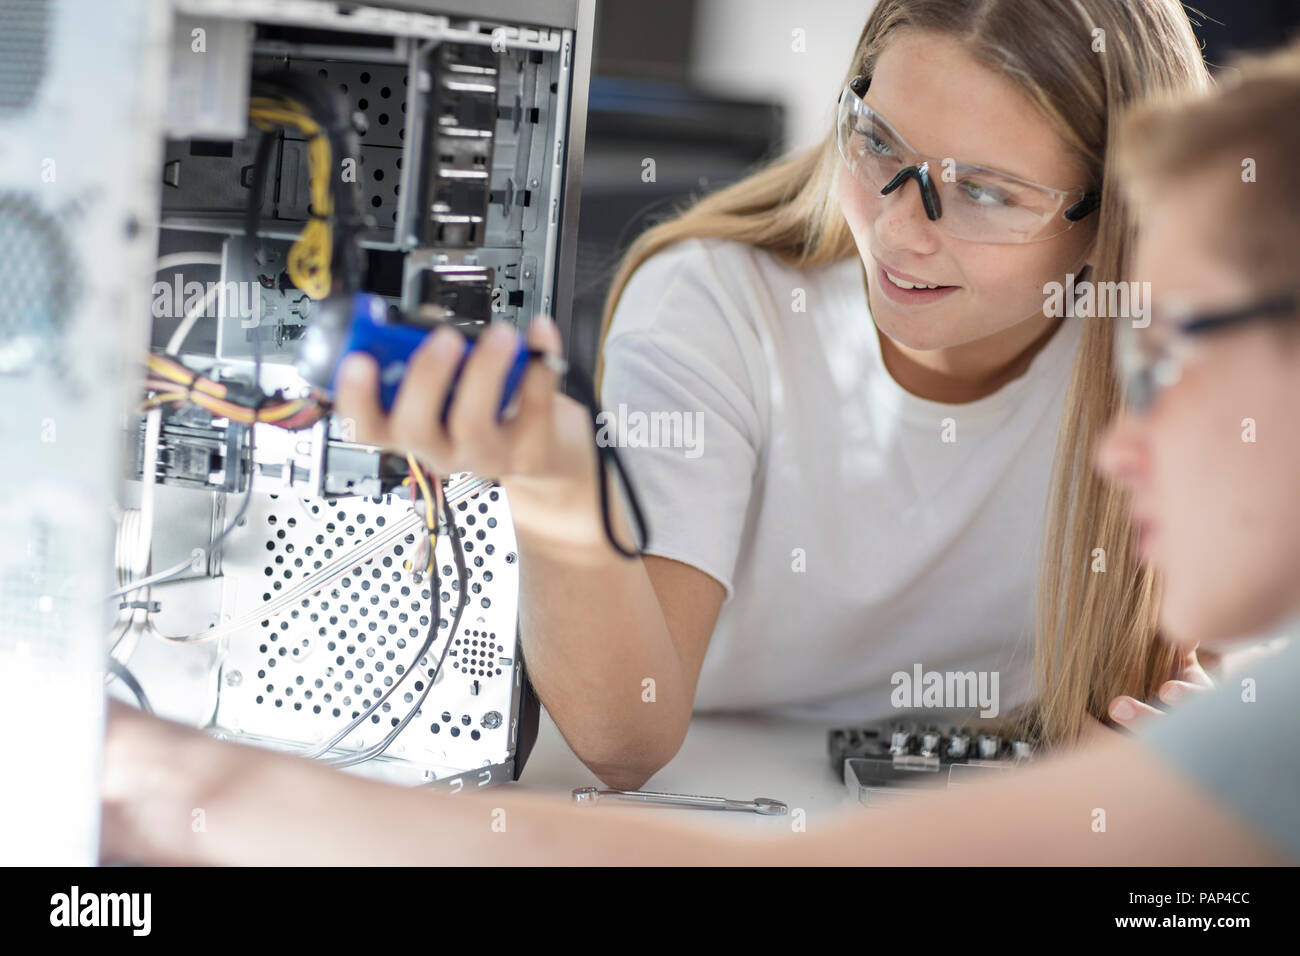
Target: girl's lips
x,y
896,293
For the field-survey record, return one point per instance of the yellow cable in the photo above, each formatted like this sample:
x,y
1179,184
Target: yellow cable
x,y
429,503
310,259
183,376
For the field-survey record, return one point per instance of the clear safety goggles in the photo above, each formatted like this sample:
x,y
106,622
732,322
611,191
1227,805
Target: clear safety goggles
x,y
1151,359
966,201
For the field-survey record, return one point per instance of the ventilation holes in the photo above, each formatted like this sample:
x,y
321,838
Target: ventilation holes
x,y
38,284
332,656
24,27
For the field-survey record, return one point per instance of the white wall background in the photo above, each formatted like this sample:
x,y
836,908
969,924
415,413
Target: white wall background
x,y
744,48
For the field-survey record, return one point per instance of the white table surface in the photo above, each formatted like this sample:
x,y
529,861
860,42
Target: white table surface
x,y
739,757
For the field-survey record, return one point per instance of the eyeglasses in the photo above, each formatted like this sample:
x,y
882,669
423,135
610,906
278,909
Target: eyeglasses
x,y
968,202
1150,360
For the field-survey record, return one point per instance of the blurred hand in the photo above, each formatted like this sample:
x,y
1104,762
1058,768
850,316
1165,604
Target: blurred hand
x,y
153,774
1128,712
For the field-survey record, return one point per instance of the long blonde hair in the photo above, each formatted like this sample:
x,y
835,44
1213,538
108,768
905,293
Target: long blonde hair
x,y
1081,62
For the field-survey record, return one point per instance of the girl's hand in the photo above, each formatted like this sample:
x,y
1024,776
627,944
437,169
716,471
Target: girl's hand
x,y
1128,712
472,440
543,453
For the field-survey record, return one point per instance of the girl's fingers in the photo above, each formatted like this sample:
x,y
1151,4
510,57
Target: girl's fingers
x,y
545,335
1173,691
1193,671
1210,660
537,391
472,437
356,400
1128,712
472,423
414,422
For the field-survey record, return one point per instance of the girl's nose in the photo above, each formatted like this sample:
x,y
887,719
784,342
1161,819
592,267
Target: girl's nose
x,y
901,222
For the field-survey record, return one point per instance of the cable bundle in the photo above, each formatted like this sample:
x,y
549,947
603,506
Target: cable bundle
x,y
310,259
172,382
326,258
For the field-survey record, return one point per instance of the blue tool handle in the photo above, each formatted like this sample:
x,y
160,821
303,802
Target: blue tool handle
x,y
391,345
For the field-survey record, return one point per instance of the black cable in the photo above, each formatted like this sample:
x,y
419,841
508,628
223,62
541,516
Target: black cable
x,y
257,191
582,391
120,671
607,455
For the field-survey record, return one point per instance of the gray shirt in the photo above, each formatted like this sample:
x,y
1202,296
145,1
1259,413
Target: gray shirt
x,y
1239,744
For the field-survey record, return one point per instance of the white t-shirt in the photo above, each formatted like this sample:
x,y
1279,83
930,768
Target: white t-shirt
x,y
854,536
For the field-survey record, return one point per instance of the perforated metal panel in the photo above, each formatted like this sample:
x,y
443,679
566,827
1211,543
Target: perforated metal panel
x,y
302,675
38,283
24,39
378,94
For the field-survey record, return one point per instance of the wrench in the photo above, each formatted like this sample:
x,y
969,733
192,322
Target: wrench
x,y
649,798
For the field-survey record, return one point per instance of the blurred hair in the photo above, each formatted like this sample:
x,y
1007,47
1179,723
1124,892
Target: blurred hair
x,y
1252,120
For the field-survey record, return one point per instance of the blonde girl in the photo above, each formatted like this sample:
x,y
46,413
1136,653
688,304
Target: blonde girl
x,y
888,415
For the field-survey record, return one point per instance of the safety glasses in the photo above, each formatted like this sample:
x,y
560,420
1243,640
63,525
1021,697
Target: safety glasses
x,y
1151,359
966,201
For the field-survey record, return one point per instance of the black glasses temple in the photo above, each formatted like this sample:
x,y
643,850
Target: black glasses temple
x,y
1285,306
1084,207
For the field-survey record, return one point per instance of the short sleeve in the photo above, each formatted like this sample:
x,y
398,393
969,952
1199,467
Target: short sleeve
x,y
1237,743
682,367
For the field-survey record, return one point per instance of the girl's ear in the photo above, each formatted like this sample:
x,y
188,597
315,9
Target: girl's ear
x,y
1089,255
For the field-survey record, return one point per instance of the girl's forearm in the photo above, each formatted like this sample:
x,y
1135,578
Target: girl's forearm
x,y
593,633
593,636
